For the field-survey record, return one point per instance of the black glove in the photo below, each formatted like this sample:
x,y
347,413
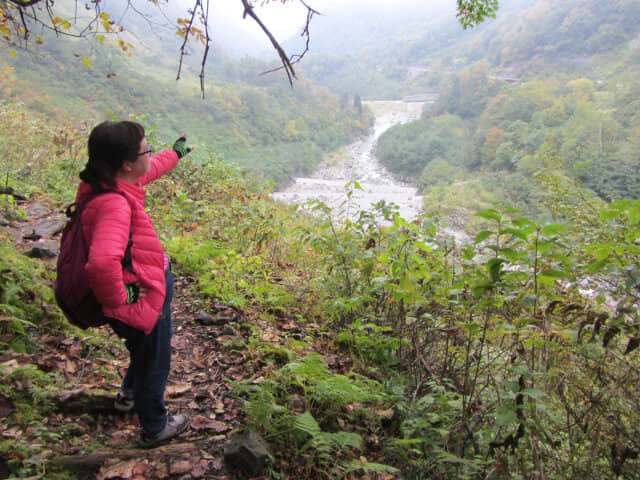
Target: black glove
x,y
180,146
133,291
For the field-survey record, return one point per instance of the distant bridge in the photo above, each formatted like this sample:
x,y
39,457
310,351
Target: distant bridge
x,y
504,78
429,97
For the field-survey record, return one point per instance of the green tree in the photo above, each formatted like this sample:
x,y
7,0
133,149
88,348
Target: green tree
x,y
357,103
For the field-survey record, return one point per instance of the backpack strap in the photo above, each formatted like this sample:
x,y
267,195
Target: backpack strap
x,y
76,209
127,261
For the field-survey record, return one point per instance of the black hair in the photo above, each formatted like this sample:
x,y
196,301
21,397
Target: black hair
x,y
110,145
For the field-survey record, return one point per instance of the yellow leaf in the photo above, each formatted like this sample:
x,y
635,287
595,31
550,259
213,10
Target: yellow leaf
x,y
4,30
12,52
86,62
100,39
104,16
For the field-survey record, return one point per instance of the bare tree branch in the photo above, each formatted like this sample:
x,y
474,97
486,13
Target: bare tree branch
x,y
286,63
206,48
186,38
24,24
305,33
27,15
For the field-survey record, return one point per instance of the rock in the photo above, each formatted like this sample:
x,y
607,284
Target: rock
x,y
46,228
298,403
247,451
36,210
206,319
229,330
40,252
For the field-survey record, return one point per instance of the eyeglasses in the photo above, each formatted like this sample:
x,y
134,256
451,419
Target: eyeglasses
x,y
145,152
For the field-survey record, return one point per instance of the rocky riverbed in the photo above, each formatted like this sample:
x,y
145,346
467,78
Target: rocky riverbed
x,y
328,183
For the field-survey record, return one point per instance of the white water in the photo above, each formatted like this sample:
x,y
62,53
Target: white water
x,y
359,164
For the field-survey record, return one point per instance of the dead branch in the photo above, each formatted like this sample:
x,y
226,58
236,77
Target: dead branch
x,y
186,37
97,458
25,14
286,63
305,33
206,51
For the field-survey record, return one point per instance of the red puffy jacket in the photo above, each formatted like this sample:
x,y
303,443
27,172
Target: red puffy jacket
x,y
106,222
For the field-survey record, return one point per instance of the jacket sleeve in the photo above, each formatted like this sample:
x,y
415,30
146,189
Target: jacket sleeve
x,y
106,222
161,163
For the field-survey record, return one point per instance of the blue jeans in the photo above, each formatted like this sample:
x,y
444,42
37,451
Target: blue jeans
x,y
148,370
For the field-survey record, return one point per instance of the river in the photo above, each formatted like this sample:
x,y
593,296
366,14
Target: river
x,y
359,164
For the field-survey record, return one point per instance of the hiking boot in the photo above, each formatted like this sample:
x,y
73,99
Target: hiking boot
x,y
175,426
123,403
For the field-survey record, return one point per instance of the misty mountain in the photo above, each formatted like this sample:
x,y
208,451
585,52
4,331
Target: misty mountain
x,y
352,52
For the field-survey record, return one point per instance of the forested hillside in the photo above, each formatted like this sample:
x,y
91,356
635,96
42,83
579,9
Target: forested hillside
x,y
255,121
527,38
557,95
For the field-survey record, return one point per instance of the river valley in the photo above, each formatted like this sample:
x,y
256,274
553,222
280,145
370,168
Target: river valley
x,y
328,183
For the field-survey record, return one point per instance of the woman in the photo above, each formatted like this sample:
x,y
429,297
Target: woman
x,y
137,298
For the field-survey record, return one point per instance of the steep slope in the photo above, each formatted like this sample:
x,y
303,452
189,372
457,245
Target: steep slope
x,y
252,120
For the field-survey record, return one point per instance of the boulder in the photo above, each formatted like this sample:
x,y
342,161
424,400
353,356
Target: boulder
x,y
247,451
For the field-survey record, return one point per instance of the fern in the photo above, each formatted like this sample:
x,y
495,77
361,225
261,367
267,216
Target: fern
x,y
326,388
303,371
305,423
338,441
371,467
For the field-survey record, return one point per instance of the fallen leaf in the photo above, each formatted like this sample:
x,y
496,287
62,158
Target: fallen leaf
x,y
179,389
11,432
140,468
7,368
122,470
160,471
200,469
180,467
119,437
289,326
200,422
65,395
217,464
388,414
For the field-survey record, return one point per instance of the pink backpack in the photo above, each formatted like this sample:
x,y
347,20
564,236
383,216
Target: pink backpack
x,y
73,293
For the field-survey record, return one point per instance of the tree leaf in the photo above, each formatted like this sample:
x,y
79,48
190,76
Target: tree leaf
x,y
553,229
505,416
490,214
516,233
482,236
551,272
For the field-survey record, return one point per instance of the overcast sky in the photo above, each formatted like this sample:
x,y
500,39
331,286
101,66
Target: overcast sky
x,y
285,20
